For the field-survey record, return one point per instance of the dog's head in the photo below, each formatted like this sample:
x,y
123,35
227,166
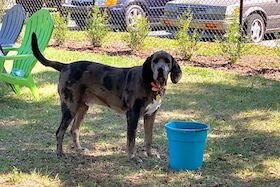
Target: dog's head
x,y
157,67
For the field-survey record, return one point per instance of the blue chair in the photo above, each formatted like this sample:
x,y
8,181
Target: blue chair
x,y
1,51
12,24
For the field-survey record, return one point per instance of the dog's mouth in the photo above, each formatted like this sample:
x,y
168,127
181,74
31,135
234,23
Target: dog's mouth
x,y
161,81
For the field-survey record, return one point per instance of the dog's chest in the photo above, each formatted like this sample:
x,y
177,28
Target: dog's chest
x,y
152,107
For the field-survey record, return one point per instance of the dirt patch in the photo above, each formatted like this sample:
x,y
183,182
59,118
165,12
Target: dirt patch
x,y
267,67
247,65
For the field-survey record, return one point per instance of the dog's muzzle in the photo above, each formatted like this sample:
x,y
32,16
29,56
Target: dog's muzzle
x,y
161,79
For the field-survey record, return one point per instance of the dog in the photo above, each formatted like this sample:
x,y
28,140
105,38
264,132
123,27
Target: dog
x,y
135,91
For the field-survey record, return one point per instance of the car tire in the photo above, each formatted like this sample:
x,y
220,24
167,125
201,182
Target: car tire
x,y
255,28
133,11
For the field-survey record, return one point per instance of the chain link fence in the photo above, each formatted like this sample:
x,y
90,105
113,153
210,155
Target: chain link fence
x,y
210,19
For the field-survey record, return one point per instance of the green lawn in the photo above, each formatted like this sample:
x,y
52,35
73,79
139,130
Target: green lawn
x,y
243,146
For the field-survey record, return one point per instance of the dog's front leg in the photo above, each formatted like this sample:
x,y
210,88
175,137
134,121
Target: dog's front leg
x,y
148,130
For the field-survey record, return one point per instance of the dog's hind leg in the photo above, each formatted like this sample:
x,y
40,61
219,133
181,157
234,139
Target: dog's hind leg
x,y
148,130
65,121
75,130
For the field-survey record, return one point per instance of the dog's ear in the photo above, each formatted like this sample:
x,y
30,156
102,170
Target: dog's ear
x,y
147,72
176,72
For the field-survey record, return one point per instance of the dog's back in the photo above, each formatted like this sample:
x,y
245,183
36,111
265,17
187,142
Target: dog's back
x,y
94,83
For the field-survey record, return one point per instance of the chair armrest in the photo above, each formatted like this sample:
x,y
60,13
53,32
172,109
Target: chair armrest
x,y
7,49
16,57
13,57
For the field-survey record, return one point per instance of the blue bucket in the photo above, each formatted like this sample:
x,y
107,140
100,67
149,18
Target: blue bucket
x,y
186,142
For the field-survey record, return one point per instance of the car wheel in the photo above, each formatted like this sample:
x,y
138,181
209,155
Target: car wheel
x,y
255,28
132,12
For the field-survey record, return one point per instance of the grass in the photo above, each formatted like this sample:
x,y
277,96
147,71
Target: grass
x,y
243,146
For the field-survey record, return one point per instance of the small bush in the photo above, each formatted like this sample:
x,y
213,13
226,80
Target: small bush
x,y
60,29
234,43
97,27
138,32
277,47
187,42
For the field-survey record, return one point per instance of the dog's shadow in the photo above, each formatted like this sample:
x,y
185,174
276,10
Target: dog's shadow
x,y
75,168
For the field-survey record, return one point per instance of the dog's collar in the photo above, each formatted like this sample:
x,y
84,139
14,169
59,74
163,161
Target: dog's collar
x,y
157,92
155,87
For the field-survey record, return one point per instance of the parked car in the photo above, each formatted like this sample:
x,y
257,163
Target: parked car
x,y
31,6
120,12
211,17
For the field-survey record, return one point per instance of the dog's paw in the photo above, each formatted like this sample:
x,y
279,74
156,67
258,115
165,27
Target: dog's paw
x,y
149,154
83,151
60,154
131,156
135,159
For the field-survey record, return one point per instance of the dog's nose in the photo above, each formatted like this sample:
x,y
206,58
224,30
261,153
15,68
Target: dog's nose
x,y
160,72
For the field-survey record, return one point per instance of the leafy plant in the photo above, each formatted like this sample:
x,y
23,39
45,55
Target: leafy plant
x,y
97,27
234,43
188,43
60,29
138,32
277,47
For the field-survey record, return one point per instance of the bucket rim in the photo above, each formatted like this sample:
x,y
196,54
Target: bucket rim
x,y
206,128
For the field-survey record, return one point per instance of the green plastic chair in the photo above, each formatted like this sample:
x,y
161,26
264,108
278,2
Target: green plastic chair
x,y
42,24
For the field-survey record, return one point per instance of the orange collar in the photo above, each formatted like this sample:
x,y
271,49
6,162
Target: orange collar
x,y
155,87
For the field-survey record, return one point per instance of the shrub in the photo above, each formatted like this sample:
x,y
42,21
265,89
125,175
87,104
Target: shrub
x,y
234,43
138,32
97,27
277,47
187,42
60,29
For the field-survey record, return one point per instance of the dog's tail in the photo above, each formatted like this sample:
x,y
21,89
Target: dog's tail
x,y
37,53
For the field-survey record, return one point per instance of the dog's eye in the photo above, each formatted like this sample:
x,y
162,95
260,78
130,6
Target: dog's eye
x,y
156,61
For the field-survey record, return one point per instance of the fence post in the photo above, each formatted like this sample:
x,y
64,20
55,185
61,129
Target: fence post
x,y
240,13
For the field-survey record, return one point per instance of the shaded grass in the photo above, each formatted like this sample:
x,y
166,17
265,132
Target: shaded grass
x,y
243,146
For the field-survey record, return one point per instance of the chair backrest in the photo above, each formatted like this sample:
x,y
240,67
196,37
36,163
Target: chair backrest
x,y
42,24
12,25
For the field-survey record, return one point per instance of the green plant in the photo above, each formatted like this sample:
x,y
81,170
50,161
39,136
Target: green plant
x,y
234,43
138,32
188,43
277,47
60,29
97,27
